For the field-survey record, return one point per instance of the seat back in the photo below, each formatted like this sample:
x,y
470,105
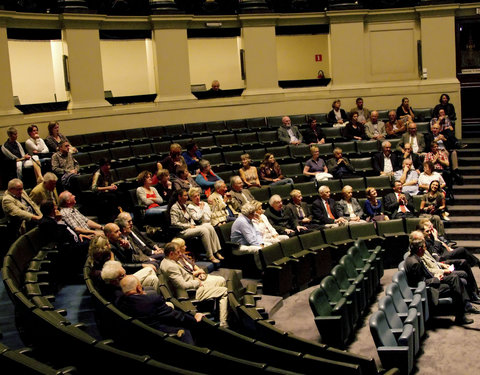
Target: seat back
x,y
390,226
271,253
341,277
349,264
356,256
311,240
381,333
386,305
329,285
291,246
401,279
319,303
363,230
393,291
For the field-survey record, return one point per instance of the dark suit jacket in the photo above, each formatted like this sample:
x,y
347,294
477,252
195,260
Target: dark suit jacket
x,y
125,256
449,143
280,220
293,212
416,160
149,244
391,204
333,166
309,135
320,213
341,209
378,162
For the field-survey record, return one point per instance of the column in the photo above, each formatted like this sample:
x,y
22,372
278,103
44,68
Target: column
x,y
6,93
81,35
172,65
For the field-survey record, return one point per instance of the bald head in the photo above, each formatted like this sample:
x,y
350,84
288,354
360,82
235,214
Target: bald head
x,y
131,285
286,121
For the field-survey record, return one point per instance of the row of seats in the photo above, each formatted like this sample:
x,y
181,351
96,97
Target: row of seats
x,y
345,295
227,350
198,129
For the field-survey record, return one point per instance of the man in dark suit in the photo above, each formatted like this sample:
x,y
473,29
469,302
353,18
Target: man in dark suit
x,y
152,310
446,286
323,209
281,219
408,153
300,211
399,204
239,195
386,163
339,166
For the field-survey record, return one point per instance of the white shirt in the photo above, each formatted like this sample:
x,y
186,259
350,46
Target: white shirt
x,y
414,144
387,164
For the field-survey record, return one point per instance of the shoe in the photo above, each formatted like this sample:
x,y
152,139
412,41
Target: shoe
x,y
219,256
463,145
472,310
463,320
214,260
445,216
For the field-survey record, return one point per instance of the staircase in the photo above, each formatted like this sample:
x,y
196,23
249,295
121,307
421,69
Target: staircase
x,y
464,225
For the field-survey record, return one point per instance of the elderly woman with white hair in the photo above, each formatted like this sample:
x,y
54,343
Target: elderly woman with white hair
x,y
263,226
220,202
198,210
245,234
348,207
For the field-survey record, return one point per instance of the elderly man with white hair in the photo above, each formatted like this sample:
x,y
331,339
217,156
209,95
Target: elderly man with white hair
x,y
288,133
74,218
239,195
46,190
219,202
245,234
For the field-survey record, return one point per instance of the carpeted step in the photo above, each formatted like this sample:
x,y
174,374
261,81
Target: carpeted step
x,y
466,188
459,210
469,161
471,179
472,245
456,234
464,199
463,221
468,170
271,304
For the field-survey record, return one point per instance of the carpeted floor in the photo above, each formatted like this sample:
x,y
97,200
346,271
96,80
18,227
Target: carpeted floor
x,y
446,348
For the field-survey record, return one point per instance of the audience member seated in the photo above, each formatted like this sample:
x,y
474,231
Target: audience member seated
x,y
149,247
149,199
354,130
215,86
415,158
394,127
187,261
337,116
405,112
448,285
124,252
211,287
182,179
433,201
339,166
443,121
348,207
173,160
282,220
65,166
448,107
314,133
73,247
247,234
220,201
439,159
428,175
375,129
36,145
441,250
112,274
300,211
140,253
271,173
263,226
386,163
414,139
373,206
323,209
22,213
74,218
107,193
206,178
315,167
399,204
192,157
54,138
45,191
408,177
181,219
99,252
239,195
164,185
248,173
152,310
13,150
198,210
288,133
363,113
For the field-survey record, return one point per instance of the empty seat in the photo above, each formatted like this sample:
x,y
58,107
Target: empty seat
x,y
227,142
300,152
295,172
161,148
236,126
278,275
155,132
367,148
248,140
381,183
195,129
332,290
175,131
142,152
116,137
216,127
257,123
363,166
332,134
136,135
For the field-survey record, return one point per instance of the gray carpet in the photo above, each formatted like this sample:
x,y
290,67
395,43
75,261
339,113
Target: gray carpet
x,y
445,349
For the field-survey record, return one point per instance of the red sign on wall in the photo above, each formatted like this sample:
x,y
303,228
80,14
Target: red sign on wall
x,y
318,57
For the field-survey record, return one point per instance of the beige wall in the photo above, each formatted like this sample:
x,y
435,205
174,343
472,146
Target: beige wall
x,y
215,58
359,46
296,56
126,68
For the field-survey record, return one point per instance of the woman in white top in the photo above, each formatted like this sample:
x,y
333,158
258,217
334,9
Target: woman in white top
x,y
35,145
198,210
149,198
428,175
263,226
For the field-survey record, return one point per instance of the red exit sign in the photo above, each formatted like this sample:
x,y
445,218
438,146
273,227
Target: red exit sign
x,y
318,57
